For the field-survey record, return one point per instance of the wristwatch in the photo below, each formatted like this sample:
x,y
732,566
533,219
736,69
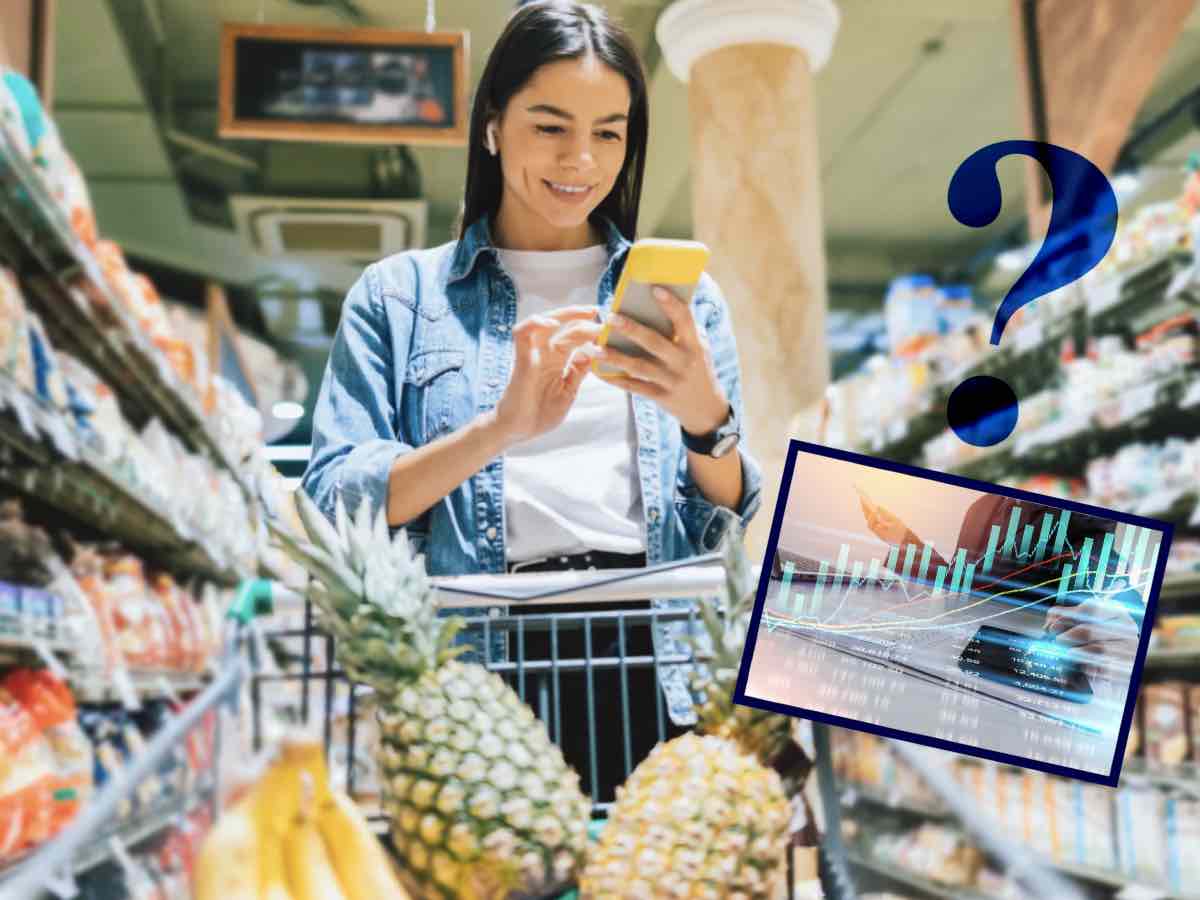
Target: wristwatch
x,y
719,441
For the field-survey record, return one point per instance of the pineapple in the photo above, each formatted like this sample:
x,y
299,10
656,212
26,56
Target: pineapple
x,y
706,814
482,803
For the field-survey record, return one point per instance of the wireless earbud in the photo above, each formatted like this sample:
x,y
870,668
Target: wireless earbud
x,y
490,141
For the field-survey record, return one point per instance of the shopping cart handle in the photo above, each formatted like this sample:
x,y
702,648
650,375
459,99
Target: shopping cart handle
x,y
253,598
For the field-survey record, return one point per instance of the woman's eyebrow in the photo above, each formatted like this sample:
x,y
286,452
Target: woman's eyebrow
x,y
563,114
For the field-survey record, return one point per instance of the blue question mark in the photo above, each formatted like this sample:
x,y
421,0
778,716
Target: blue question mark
x,y
1083,220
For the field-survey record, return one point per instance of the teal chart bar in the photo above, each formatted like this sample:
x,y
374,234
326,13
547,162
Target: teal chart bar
x,y
960,559
1060,537
799,604
1010,539
1102,562
1043,536
1139,555
991,549
926,555
856,574
822,572
873,569
1026,538
938,580
968,578
785,586
1126,549
843,557
1062,582
1150,567
909,555
891,558
1085,557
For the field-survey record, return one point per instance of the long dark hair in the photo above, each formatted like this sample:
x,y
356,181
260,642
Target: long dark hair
x,y
546,32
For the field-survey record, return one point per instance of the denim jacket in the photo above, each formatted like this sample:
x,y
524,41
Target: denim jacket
x,y
425,345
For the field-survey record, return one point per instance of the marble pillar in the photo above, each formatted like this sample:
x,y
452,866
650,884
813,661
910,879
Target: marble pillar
x,y
756,200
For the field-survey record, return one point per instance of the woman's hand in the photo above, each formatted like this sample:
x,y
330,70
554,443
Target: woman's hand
x,y
883,522
551,361
680,376
1102,635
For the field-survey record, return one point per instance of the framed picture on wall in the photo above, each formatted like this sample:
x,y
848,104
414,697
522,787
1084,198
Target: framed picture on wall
x,y
369,86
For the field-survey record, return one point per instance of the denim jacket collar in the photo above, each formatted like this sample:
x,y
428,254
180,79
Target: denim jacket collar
x,y
478,239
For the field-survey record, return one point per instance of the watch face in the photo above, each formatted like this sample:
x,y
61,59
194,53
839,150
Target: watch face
x,y
724,445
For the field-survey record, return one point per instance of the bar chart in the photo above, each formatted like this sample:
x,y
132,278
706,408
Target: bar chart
x,y
1041,548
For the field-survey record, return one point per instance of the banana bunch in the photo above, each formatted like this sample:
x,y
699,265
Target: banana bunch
x,y
293,838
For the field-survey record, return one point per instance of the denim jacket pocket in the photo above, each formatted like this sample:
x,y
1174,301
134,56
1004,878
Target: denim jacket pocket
x,y
441,390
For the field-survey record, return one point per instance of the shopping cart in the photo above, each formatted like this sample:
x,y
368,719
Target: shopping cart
x,y
323,693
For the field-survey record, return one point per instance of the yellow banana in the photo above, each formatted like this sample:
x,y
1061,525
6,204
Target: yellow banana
x,y
311,875
227,867
362,866
277,799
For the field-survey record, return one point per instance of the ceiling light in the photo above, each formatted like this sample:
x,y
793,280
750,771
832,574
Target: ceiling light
x,y
286,409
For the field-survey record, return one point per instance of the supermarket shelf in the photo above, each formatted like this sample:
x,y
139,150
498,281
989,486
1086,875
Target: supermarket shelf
x,y
854,792
70,294
145,684
130,833
66,472
1028,359
927,886
1116,879
1173,657
1182,585
1184,778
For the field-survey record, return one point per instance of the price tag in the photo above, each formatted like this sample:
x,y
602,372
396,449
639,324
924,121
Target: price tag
x,y
1160,501
20,405
1138,400
46,655
1103,295
1191,396
125,690
1180,280
1028,337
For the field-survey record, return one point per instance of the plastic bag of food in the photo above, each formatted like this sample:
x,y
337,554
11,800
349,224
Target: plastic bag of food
x,y
26,778
50,702
136,625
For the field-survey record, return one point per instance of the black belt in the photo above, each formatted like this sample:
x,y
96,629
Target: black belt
x,y
590,559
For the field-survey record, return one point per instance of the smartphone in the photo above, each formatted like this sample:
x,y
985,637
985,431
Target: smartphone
x,y
1033,663
673,264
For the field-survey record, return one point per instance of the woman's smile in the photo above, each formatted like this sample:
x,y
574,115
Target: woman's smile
x,y
565,192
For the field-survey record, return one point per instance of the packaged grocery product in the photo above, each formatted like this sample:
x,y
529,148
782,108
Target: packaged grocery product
x,y
10,118
52,706
911,314
1193,718
48,381
149,720
1141,812
24,118
26,778
150,789
1164,720
103,728
87,568
1183,837
13,341
138,628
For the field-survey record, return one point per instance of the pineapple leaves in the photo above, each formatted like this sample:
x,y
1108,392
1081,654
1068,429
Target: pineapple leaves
x,y
320,532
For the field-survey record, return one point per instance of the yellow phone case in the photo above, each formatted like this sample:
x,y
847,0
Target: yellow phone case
x,y
674,264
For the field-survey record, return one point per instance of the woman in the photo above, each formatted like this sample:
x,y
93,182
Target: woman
x,y
458,391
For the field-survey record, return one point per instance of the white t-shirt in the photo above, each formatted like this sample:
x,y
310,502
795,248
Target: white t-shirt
x,y
576,487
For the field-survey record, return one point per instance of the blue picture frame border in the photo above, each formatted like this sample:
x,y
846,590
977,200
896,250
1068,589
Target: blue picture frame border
x,y
1111,779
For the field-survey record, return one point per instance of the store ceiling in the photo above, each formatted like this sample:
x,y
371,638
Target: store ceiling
x,y
911,89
